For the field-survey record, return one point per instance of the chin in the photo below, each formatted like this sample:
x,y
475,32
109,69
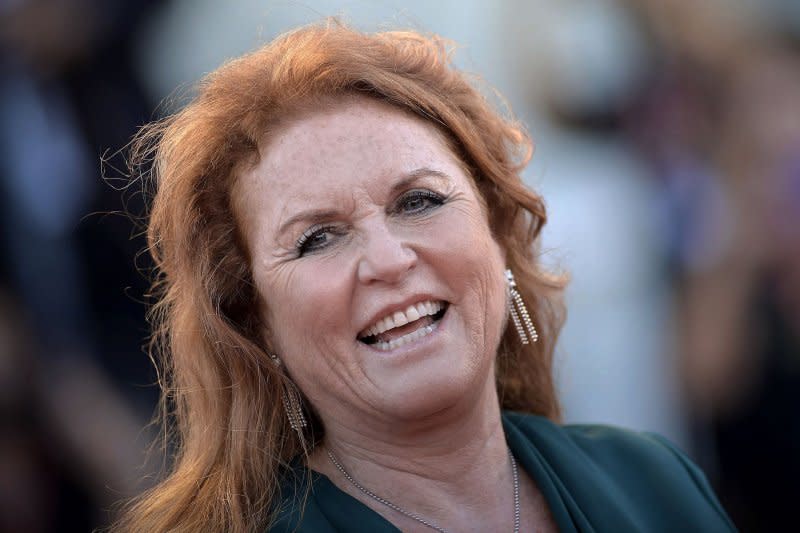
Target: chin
x,y
433,387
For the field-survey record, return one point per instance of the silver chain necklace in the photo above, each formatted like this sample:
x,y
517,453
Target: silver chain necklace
x,y
419,519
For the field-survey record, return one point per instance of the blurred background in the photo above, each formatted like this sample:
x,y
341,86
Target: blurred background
x,y
668,150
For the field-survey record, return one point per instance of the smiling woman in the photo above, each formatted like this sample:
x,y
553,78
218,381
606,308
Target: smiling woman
x,y
350,303
383,223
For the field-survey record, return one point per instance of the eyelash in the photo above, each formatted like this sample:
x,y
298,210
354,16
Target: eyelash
x,y
418,194
303,245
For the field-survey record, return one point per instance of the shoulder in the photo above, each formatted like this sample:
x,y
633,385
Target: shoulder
x,y
296,509
642,471
613,448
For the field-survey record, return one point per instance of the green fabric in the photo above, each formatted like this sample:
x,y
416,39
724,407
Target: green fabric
x,y
594,478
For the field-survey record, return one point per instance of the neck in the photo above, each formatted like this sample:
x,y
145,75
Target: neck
x,y
451,468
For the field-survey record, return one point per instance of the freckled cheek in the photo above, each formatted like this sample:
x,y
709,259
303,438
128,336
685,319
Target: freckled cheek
x,y
462,244
471,262
314,311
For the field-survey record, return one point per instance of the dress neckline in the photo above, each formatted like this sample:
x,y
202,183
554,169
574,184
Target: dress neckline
x,y
340,506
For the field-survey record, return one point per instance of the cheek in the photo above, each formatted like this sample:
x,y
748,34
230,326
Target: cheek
x,y
473,263
312,326
309,313
474,250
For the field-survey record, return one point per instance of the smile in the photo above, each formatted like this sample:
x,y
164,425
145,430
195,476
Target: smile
x,y
402,327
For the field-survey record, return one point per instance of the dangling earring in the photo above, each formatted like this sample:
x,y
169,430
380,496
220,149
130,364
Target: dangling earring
x,y
519,313
292,403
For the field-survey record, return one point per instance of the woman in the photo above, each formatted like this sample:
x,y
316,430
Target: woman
x,y
350,295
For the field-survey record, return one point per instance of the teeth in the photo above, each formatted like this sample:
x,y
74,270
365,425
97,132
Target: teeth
x,y
405,339
401,318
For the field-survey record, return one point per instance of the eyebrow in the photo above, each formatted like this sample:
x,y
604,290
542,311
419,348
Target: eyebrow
x,y
315,216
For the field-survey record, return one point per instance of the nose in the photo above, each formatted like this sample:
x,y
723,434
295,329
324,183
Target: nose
x,y
386,256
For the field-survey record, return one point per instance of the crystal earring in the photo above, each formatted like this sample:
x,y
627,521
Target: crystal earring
x,y
519,313
292,403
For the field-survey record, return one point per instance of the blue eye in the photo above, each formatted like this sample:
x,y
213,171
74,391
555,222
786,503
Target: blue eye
x,y
315,238
418,201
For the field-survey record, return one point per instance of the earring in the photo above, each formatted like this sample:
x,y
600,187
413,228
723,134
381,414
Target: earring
x,y
519,313
292,403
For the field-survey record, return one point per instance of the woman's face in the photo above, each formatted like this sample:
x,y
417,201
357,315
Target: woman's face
x,y
381,283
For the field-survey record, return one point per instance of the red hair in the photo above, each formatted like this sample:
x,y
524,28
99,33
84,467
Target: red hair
x,y
221,394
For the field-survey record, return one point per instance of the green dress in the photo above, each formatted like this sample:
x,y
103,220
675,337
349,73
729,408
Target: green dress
x,y
594,479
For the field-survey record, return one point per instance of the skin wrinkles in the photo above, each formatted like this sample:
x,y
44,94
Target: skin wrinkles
x,y
388,417
321,215
362,206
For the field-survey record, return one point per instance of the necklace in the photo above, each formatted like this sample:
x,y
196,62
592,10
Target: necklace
x,y
419,519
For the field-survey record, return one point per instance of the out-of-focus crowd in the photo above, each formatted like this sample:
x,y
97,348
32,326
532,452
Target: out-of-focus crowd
x,y
713,116
719,122
75,387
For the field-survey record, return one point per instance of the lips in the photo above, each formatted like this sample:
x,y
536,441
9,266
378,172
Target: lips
x,y
401,327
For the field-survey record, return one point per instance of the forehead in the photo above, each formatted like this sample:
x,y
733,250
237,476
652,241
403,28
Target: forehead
x,y
357,131
352,147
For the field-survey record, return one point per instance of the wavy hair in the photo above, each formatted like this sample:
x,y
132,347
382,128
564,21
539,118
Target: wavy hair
x,y
221,395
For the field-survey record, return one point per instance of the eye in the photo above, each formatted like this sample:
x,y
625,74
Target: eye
x,y
418,201
316,238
